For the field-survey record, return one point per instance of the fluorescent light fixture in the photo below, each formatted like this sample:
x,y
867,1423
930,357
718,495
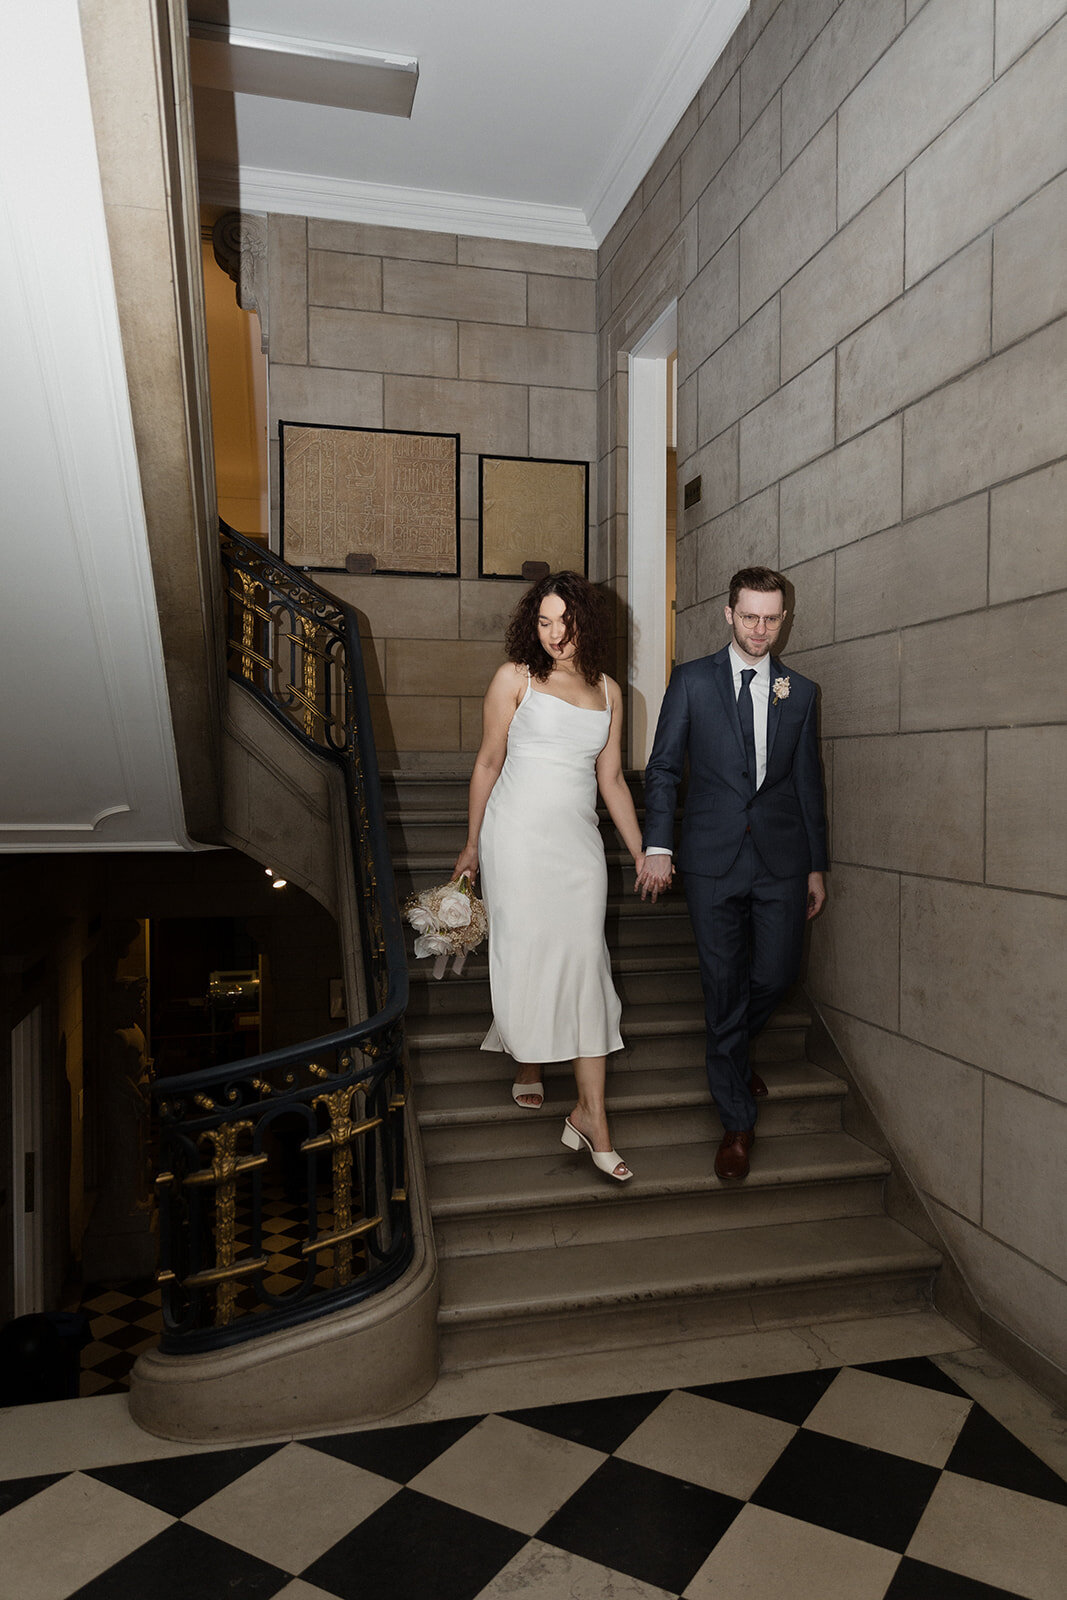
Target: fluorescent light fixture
x,y
312,70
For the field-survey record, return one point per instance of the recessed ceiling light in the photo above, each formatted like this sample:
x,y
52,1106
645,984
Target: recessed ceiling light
x,y
312,70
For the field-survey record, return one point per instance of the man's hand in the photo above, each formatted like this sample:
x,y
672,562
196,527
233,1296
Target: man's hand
x,y
816,894
654,874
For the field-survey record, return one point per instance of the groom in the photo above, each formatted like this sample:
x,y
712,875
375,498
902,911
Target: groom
x,y
753,845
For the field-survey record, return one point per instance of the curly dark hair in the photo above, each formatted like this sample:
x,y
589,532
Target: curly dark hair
x,y
587,620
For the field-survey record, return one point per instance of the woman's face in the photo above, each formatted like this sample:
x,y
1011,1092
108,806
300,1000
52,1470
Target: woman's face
x,y
552,629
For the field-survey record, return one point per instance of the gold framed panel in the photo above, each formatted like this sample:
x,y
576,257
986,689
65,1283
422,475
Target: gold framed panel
x,y
379,492
532,510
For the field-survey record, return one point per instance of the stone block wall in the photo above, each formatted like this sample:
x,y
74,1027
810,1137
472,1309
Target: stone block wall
x,y
863,218
381,327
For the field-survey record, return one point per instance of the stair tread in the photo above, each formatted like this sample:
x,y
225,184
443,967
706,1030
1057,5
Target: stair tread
x,y
488,1099
627,1271
640,1019
476,969
518,1183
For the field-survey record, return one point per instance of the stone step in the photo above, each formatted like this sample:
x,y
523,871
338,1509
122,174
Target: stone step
x,y
560,1178
487,1099
448,1046
475,1122
852,1189
676,982
629,961
614,1294
632,1129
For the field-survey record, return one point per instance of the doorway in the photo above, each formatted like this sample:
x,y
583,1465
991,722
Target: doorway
x,y
26,1177
650,565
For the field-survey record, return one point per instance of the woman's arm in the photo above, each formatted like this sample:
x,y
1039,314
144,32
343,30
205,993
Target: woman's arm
x,y
499,706
613,786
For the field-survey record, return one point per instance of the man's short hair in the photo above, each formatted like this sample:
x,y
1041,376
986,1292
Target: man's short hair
x,y
763,580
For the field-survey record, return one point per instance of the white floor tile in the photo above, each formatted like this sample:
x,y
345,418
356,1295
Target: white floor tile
x,y
541,1572
510,1473
995,1536
67,1435
884,1414
765,1556
293,1506
718,1446
69,1533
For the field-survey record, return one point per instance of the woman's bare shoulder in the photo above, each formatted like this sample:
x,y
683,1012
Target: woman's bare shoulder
x,y
614,692
509,679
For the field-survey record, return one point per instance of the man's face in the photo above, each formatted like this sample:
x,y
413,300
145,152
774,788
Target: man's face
x,y
755,622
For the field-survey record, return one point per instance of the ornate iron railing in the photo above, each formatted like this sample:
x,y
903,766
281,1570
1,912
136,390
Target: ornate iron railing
x,y
330,1112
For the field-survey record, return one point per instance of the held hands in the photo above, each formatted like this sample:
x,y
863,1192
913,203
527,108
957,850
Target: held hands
x,y
654,874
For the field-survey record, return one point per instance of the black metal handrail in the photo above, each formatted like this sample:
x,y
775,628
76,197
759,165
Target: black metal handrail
x,y
337,1101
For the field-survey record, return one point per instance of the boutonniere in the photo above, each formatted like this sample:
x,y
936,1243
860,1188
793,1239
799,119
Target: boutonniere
x,y
781,689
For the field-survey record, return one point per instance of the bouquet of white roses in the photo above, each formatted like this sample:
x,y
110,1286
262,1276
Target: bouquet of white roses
x,y
449,921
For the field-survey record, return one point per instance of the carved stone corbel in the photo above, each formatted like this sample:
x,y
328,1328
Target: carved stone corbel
x,y
239,241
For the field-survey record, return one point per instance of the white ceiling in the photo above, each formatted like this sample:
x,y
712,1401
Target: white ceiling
x,y
529,121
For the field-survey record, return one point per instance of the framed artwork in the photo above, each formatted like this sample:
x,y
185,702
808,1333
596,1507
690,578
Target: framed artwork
x,y
531,511
369,499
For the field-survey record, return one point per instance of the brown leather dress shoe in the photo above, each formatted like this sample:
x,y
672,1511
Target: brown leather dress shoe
x,y
757,1087
731,1158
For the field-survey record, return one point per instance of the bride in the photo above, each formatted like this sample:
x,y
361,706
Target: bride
x,y
551,736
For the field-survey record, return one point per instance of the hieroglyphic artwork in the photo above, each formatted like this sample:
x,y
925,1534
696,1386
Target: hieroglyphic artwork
x,y
532,511
362,491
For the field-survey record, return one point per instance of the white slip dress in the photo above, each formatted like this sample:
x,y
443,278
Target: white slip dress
x,y
545,885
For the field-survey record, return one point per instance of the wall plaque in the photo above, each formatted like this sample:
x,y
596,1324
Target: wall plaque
x,y
390,496
532,511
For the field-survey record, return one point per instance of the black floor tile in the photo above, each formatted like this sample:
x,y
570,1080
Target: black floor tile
x,y
122,1338
116,1367
866,1494
397,1453
178,1483
653,1527
986,1450
791,1397
13,1491
415,1548
182,1563
599,1424
920,1370
915,1580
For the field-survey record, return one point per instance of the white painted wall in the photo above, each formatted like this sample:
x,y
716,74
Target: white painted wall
x,y
86,744
651,411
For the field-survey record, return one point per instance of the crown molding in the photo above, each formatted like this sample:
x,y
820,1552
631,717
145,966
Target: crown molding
x,y
697,45
306,194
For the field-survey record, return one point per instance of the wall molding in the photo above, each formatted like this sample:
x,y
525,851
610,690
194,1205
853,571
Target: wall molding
x,y
304,194
697,45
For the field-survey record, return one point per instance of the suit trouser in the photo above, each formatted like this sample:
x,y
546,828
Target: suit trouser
x,y
749,928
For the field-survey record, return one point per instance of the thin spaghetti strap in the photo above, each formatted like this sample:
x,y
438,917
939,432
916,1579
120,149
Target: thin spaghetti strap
x,y
607,696
529,687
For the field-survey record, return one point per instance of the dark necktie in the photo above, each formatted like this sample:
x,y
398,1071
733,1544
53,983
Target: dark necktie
x,y
748,727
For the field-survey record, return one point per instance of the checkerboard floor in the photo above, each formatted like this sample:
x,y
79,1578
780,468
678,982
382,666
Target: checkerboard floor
x,y
125,1318
877,1482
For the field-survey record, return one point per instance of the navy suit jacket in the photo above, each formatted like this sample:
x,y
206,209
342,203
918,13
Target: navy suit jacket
x,y
786,815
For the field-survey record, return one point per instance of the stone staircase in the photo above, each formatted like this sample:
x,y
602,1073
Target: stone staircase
x,y
539,1255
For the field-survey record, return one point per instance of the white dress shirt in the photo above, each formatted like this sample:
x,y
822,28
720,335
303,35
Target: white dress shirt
x,y
760,690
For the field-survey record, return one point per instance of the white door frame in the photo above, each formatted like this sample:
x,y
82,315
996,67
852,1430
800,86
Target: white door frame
x,y
27,1218
647,528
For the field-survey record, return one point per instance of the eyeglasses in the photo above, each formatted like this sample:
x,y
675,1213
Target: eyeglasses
x,y
752,619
